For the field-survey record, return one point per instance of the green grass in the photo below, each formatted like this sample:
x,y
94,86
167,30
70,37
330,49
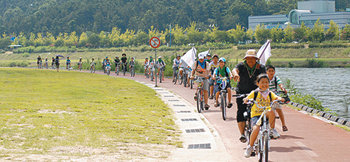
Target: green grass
x,y
41,110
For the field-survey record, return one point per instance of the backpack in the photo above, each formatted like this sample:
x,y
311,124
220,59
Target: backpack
x,y
227,75
205,64
256,95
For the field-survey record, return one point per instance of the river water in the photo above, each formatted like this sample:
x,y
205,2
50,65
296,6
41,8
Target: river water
x,y
329,85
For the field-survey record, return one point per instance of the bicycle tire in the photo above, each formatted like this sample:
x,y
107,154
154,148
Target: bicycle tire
x,y
199,102
191,82
223,106
180,78
202,102
266,149
185,80
175,77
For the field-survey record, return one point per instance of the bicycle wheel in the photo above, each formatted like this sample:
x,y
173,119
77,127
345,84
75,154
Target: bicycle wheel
x,y
160,76
263,147
191,82
175,77
185,80
247,130
202,101
180,78
266,149
199,102
223,105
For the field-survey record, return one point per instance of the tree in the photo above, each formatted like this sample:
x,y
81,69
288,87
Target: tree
x,y
83,39
5,42
345,33
94,40
317,32
288,34
276,34
262,34
301,33
332,32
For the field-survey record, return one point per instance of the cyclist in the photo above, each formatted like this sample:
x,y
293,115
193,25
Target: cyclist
x,y
132,64
201,69
222,71
53,63
46,63
39,62
92,64
57,62
108,64
263,97
117,63
183,65
104,65
161,66
124,62
151,67
245,73
80,63
276,82
176,65
68,63
208,58
213,65
146,65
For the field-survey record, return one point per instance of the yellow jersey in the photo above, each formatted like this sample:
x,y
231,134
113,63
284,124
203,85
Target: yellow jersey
x,y
255,111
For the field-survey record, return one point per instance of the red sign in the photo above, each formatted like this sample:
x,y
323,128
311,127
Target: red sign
x,y
154,42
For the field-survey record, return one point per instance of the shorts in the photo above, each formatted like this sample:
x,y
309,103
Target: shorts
x,y
241,108
254,120
277,105
205,85
218,88
211,82
181,69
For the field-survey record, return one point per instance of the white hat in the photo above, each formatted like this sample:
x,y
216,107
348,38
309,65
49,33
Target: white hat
x,y
200,56
250,53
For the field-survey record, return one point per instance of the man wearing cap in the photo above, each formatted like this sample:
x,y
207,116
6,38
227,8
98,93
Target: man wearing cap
x,y
245,74
201,69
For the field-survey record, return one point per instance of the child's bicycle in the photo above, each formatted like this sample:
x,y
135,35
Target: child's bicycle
x,y
200,94
108,70
146,71
68,67
175,74
124,68
132,71
185,74
223,95
262,146
161,73
117,68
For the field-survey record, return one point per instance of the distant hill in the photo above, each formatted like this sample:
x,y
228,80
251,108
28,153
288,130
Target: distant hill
x,y
96,15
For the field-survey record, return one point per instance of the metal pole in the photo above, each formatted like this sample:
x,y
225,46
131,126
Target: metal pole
x,y
155,61
170,37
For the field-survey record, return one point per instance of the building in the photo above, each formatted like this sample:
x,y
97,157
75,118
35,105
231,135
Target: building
x,y
308,12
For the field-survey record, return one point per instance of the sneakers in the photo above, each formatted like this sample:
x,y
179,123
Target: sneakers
x,y
229,105
243,139
217,105
248,151
206,107
211,97
275,134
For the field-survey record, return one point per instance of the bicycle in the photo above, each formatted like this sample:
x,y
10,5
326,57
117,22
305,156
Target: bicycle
x,y
124,68
146,73
132,71
79,65
175,74
68,67
46,65
185,76
200,94
161,74
108,70
92,68
117,69
261,147
223,94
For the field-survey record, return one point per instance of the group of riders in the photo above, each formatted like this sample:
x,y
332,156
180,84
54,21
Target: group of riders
x,y
255,83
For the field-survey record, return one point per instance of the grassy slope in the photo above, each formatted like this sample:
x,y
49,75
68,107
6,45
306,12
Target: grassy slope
x,y
41,110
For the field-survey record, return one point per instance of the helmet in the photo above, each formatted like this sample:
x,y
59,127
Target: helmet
x,y
209,55
178,56
160,57
146,58
222,59
216,56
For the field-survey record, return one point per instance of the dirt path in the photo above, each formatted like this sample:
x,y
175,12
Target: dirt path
x,y
308,138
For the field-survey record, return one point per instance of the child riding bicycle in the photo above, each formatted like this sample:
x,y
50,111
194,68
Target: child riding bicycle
x,y
176,65
276,82
263,96
201,69
213,65
68,63
219,72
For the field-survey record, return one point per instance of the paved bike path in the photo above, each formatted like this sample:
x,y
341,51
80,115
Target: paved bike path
x,y
308,138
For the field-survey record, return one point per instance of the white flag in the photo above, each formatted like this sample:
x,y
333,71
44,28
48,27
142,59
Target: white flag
x,y
190,57
265,52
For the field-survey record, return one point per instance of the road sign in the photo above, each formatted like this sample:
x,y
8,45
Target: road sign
x,y
154,42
